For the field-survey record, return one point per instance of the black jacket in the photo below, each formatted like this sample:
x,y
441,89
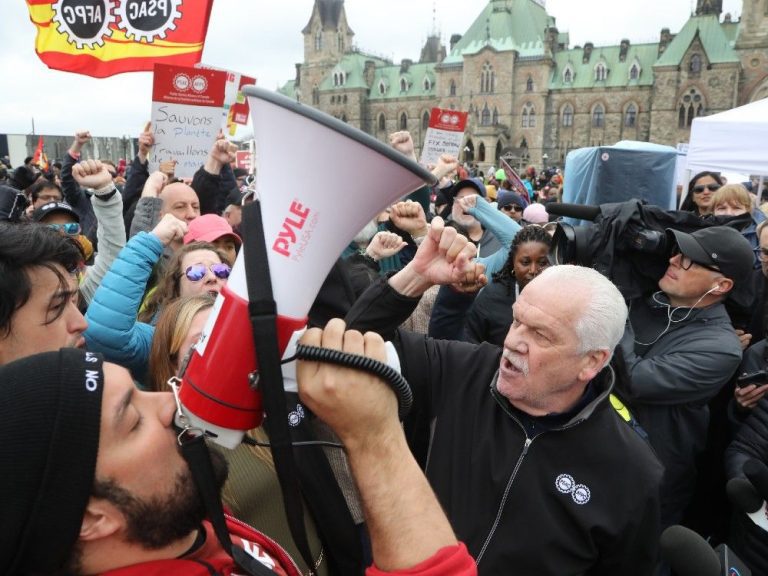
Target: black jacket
x,y
749,541
490,316
579,498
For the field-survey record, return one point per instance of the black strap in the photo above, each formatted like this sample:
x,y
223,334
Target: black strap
x,y
263,313
195,452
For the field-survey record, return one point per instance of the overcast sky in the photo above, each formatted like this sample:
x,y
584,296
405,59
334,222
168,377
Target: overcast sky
x,y
263,39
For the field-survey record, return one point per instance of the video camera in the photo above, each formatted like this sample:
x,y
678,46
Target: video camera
x,y
625,241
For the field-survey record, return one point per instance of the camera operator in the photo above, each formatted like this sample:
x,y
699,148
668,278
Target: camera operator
x,y
680,348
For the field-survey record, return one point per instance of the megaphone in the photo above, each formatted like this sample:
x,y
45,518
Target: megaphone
x,y
319,181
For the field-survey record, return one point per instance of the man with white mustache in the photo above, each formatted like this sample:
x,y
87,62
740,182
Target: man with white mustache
x,y
535,470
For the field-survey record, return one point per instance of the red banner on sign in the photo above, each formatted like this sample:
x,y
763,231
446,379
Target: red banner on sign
x,y
450,120
193,86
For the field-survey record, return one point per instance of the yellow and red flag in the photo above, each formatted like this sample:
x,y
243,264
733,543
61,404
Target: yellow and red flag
x,y
104,37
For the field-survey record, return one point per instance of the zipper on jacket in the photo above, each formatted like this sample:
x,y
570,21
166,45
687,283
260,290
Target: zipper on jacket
x,y
528,442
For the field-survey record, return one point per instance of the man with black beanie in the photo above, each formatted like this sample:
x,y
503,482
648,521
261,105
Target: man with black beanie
x,y
93,481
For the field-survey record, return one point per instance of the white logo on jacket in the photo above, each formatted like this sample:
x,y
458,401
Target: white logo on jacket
x,y
567,485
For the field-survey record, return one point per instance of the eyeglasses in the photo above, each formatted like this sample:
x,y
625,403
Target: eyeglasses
x,y
196,272
700,188
686,262
512,208
69,228
49,197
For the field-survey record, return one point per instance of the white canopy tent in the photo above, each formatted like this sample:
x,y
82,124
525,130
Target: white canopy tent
x,y
734,141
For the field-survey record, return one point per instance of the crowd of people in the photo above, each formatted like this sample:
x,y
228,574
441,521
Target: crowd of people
x,y
558,426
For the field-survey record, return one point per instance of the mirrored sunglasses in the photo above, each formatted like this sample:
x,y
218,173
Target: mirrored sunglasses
x,y
197,272
69,228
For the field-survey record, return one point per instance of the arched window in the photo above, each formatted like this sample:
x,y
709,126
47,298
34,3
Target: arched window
x,y
529,84
425,120
481,152
487,79
567,116
634,72
427,85
344,98
403,121
690,106
452,89
333,99
568,75
382,123
598,116
600,72
695,64
486,116
403,85
318,41
495,119
529,116
382,87
315,95
630,116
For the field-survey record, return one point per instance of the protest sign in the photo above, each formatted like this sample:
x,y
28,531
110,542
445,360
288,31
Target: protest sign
x,y
187,112
235,103
244,160
444,135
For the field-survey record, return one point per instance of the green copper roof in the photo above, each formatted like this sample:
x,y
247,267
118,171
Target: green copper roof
x,y
505,25
353,66
389,77
618,72
716,39
288,89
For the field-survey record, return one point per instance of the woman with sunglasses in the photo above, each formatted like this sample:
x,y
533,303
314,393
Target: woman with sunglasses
x,y
115,327
701,188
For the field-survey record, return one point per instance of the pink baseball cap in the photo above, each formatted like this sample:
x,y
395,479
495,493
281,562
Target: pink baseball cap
x,y
208,228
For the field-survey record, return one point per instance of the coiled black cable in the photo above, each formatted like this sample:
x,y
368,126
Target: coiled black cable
x,y
391,376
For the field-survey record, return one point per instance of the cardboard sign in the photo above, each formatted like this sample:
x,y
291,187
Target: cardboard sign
x,y
235,103
187,112
444,135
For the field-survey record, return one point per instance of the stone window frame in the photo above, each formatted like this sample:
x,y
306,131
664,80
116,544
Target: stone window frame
x,y
567,113
601,72
568,74
339,77
452,88
598,115
382,87
485,116
403,84
528,115
318,40
487,79
634,71
695,64
315,95
403,121
529,84
495,116
425,120
427,84
631,112
481,152
690,105
382,122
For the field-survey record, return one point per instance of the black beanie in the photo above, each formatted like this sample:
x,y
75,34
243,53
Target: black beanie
x,y
50,414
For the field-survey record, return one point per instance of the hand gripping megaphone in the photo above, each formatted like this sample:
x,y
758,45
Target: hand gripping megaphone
x,y
319,181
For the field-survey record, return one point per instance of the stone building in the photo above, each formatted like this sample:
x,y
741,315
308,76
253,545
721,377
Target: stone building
x,y
531,96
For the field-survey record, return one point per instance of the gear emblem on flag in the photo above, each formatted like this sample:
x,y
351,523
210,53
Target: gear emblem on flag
x,y
148,19
85,23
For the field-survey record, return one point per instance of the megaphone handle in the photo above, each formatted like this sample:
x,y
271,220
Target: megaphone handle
x,y
391,376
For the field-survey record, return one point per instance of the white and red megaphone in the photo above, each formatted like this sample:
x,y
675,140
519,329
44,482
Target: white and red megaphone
x,y
320,181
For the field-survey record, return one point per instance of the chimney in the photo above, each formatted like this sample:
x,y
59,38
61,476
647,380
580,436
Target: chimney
x,y
623,49
405,64
455,40
369,72
664,39
587,52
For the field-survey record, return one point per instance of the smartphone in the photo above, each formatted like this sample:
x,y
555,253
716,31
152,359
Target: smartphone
x,y
760,377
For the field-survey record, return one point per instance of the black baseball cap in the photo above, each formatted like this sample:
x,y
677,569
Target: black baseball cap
x,y
51,208
720,247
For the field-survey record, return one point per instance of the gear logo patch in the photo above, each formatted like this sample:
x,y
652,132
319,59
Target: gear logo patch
x,y
580,493
148,19
85,23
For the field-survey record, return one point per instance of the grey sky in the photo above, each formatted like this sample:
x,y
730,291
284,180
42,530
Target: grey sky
x,y
263,39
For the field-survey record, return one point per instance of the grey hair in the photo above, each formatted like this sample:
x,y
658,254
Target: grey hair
x,y
602,321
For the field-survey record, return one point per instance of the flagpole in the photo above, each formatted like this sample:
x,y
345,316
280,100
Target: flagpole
x,y
33,125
